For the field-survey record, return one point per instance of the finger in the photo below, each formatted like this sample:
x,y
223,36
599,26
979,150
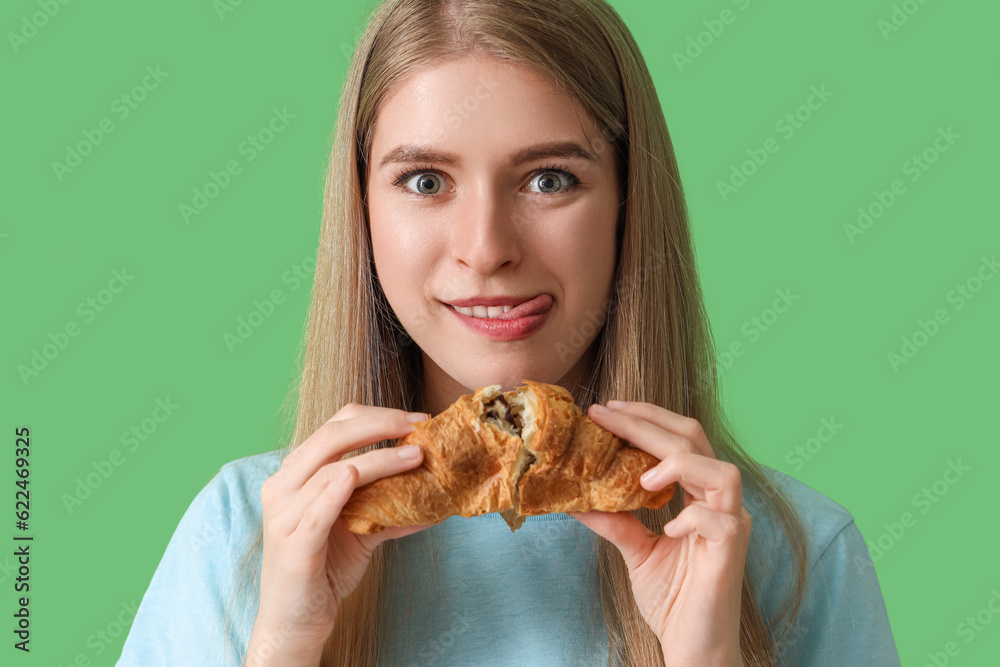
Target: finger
x,y
716,482
314,528
352,410
640,433
634,540
710,524
686,427
370,465
391,533
349,411
335,438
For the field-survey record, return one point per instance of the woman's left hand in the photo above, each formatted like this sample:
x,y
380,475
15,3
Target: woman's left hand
x,y
686,580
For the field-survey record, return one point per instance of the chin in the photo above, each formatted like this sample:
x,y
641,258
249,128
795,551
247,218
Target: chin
x,y
509,377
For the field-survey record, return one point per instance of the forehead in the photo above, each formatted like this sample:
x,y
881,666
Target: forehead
x,y
473,108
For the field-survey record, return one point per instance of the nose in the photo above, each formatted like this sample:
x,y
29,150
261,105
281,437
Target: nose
x,y
487,237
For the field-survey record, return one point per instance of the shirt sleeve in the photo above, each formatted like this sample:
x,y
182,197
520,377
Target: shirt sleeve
x,y
843,619
181,618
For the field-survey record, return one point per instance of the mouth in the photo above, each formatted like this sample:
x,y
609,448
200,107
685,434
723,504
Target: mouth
x,y
519,322
517,309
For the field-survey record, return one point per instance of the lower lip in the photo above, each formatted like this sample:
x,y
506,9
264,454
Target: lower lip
x,y
518,329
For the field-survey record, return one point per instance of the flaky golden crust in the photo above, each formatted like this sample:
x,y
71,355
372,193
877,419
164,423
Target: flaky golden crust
x,y
579,465
465,471
575,466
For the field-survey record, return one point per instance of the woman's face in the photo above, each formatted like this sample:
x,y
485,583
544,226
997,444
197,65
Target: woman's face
x,y
486,181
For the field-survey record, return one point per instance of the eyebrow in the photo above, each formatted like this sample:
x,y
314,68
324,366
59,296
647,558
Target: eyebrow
x,y
563,149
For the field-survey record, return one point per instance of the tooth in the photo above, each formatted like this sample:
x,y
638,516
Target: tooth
x,y
483,312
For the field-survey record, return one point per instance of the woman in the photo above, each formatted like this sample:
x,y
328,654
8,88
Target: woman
x,y
508,150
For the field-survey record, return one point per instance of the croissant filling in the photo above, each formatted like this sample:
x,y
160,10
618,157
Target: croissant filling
x,y
498,412
516,417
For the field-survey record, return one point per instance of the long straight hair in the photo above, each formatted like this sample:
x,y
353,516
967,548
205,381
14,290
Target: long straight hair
x,y
656,345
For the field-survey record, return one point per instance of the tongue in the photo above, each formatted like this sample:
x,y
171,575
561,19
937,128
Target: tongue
x,y
539,304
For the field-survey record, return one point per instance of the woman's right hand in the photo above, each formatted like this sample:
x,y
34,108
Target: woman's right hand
x,y
311,560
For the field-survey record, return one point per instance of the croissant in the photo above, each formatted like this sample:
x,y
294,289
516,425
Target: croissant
x,y
521,453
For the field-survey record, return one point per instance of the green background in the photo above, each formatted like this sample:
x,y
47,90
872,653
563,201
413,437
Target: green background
x,y
824,358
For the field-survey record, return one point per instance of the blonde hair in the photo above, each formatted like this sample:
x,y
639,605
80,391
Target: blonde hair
x,y
656,345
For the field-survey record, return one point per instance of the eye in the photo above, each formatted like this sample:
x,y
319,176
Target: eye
x,y
419,181
424,184
551,180
425,181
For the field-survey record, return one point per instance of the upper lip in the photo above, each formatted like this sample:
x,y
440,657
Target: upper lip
x,y
491,301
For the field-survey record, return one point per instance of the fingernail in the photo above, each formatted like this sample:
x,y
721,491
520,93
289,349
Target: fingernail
x,y
601,410
616,404
650,476
408,452
415,417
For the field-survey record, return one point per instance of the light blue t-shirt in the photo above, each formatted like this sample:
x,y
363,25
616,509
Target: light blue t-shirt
x,y
481,595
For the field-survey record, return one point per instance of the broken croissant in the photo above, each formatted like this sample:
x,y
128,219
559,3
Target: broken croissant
x,y
521,453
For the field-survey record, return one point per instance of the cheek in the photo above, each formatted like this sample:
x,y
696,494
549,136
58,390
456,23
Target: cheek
x,y
399,247
380,224
583,249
